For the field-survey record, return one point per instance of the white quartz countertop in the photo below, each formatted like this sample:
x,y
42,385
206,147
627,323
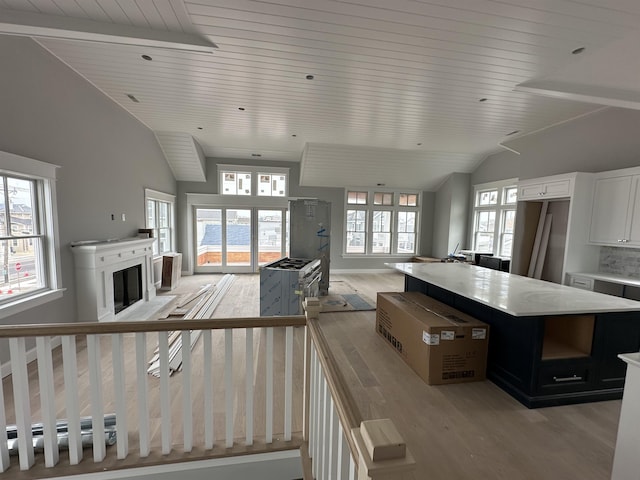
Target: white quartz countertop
x,y
610,277
514,294
631,358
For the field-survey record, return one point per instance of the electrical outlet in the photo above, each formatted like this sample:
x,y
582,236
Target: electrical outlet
x,y
113,217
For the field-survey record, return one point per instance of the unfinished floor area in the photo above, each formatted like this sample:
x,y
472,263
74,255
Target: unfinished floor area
x,y
463,431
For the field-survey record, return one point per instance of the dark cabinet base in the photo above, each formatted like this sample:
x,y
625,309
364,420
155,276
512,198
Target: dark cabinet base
x,y
516,362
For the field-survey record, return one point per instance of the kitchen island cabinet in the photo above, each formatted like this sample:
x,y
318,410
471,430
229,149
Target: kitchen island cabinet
x,y
549,344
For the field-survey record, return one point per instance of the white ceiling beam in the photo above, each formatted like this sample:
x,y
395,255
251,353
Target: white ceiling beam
x,y
582,93
48,26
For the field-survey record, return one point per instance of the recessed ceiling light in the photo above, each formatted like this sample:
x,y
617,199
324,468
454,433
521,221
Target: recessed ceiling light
x,y
513,133
380,184
578,50
483,99
241,109
256,154
419,144
199,128
147,57
309,77
294,135
132,98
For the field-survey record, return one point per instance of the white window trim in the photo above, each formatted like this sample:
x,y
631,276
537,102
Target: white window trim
x,y
499,209
12,164
369,207
254,171
150,194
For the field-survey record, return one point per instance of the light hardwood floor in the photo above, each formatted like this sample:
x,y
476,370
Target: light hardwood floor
x,y
464,431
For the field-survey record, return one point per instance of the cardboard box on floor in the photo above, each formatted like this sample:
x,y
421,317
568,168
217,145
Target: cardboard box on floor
x,y
442,344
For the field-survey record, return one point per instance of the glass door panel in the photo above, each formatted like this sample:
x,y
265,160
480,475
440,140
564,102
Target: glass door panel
x,y
208,237
269,236
238,238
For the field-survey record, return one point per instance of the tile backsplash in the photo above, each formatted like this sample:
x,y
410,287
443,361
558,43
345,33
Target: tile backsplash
x,y
621,261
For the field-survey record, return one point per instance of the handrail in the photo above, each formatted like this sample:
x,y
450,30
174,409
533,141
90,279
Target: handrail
x,y
97,328
346,407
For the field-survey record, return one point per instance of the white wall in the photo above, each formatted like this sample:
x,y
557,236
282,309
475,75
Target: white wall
x,y
450,215
606,140
50,113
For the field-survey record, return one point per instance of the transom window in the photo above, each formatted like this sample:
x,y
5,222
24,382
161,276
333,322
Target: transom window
x,y
494,217
253,181
381,223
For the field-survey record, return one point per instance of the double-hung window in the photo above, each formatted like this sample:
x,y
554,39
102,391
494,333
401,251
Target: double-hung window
x,y
160,219
29,264
494,217
380,223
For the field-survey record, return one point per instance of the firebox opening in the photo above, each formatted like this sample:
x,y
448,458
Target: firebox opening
x,y
127,287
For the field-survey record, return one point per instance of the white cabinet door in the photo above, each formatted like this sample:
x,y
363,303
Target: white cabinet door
x,y
633,222
610,209
544,190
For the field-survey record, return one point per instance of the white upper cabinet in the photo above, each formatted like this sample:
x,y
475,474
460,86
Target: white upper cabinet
x,y
545,188
615,218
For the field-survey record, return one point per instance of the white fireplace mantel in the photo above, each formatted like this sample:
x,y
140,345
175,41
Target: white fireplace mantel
x,y
96,263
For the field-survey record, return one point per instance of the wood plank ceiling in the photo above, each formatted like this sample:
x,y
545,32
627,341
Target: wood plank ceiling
x,y
404,92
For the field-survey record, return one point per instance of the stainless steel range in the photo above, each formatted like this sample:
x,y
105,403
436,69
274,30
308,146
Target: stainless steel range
x,y
285,283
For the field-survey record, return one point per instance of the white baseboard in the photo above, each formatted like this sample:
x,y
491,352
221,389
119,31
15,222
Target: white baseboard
x,y
5,368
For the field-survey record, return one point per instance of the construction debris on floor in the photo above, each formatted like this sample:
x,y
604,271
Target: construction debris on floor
x,y
197,305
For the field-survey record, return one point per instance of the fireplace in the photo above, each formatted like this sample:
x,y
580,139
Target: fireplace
x,y
112,276
127,287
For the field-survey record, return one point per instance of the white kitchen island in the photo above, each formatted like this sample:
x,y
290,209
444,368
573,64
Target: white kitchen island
x,y
549,344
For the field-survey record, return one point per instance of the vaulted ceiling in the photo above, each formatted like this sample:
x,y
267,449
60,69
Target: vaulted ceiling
x,y
401,92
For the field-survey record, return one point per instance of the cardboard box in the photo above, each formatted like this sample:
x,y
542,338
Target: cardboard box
x,y
442,344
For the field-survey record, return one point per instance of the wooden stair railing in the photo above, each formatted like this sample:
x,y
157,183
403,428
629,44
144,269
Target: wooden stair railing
x,y
173,420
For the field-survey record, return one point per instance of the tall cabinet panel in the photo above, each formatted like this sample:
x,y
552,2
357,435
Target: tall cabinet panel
x,y
310,234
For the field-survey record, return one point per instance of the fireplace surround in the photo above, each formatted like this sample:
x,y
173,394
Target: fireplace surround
x,y
95,265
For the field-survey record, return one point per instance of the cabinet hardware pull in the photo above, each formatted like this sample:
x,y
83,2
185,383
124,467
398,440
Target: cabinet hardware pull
x,y
575,378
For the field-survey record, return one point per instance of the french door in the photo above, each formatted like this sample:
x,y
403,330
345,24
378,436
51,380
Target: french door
x,y
238,240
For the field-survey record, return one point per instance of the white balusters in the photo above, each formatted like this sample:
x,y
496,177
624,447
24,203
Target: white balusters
x,y
142,392
288,382
70,366
269,387
249,386
165,399
131,381
21,398
119,390
187,409
208,390
47,401
228,386
95,395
